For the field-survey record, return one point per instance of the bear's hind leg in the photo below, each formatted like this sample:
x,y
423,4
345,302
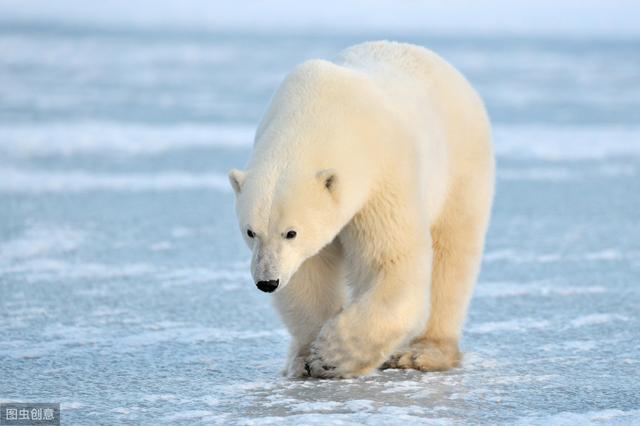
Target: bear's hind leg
x,y
458,241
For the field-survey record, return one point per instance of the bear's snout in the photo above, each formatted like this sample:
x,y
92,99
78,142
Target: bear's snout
x,y
268,286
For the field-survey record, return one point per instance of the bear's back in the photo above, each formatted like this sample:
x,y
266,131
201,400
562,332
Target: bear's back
x,y
426,81
411,69
379,57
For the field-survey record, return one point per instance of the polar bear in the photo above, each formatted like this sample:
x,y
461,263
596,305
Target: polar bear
x,y
365,203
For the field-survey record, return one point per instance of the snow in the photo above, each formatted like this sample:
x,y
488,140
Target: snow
x,y
567,143
519,325
188,415
595,319
124,282
115,138
610,417
36,181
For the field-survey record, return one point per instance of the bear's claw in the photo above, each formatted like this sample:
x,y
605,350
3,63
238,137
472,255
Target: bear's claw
x,y
426,355
317,367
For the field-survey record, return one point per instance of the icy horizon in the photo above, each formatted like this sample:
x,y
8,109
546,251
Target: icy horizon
x,y
573,18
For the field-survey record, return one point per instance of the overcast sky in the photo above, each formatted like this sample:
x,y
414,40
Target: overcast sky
x,y
548,17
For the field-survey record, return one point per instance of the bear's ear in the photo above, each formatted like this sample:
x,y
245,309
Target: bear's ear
x,y
236,178
329,179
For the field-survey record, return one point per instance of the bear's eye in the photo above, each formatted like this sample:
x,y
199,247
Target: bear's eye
x,y
250,233
291,235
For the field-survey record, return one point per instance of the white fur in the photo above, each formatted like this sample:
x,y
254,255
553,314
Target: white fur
x,y
383,165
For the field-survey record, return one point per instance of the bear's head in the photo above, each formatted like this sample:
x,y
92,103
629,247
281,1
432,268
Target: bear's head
x,y
285,219
307,176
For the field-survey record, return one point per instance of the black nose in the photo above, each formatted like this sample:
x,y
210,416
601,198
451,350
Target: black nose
x,y
268,286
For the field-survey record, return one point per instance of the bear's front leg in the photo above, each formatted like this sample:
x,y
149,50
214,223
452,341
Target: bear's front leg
x,y
315,293
364,335
296,361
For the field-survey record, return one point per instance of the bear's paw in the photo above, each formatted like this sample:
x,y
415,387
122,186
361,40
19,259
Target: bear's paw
x,y
426,355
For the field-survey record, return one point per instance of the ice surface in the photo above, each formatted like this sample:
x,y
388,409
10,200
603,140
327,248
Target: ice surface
x,y
36,181
124,285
